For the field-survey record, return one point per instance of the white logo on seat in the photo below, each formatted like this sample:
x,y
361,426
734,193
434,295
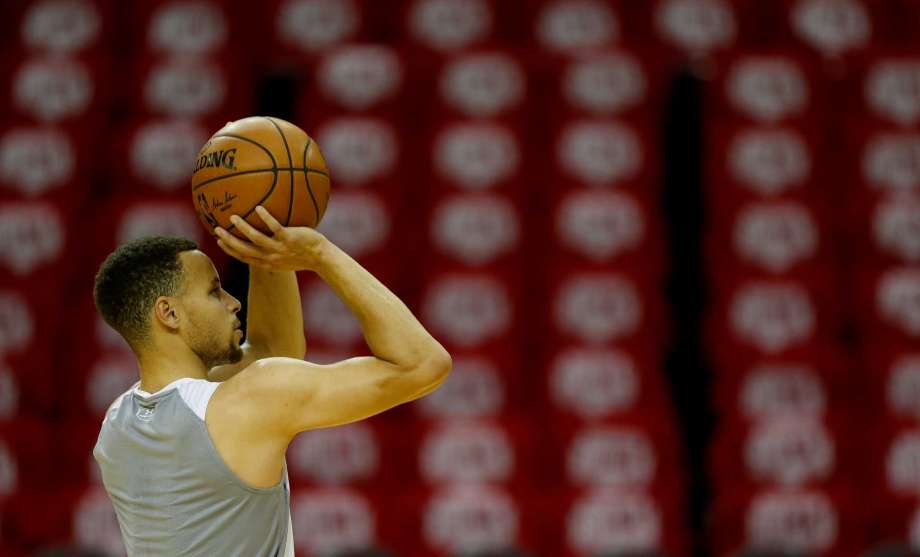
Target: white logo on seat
x,y
186,87
622,457
600,225
904,386
569,25
357,222
159,219
31,235
326,317
466,519
773,316
95,524
769,161
483,85
312,25
775,390
896,224
189,27
594,382
358,149
768,88
776,236
474,388
789,450
892,90
448,24
832,26
361,76
903,463
468,310
598,308
336,455
51,89
898,299
601,153
467,452
476,156
61,25
795,521
110,377
332,520
697,25
610,83
614,520
17,324
35,160
161,152
892,161
475,229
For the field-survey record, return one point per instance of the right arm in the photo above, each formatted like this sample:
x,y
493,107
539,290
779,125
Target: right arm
x,y
280,397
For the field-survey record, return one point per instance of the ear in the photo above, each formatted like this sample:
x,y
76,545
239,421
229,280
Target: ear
x,y
166,311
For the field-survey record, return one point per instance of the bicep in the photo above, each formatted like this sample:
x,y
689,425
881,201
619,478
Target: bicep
x,y
290,396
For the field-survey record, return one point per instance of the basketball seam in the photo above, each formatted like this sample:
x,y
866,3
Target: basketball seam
x,y
306,178
273,170
290,173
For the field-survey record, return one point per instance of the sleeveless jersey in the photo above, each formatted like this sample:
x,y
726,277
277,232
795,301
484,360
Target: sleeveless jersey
x,y
173,493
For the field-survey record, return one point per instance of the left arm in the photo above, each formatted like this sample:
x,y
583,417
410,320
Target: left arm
x,y
274,321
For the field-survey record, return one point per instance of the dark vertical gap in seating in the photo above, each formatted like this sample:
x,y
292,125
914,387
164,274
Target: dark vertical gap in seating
x,y
276,96
685,364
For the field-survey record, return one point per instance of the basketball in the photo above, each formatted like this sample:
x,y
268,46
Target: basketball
x,y
260,161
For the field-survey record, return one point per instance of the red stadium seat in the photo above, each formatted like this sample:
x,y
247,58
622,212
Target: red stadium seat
x,y
355,79
483,84
329,520
44,162
569,26
767,86
54,89
154,155
465,518
598,227
605,520
698,29
445,26
886,86
475,230
185,27
477,155
821,522
888,301
63,27
479,386
586,384
471,310
301,30
361,152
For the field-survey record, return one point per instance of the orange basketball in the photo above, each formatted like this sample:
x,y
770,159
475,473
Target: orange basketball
x,y
260,161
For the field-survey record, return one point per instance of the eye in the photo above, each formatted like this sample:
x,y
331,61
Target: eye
x,y
216,292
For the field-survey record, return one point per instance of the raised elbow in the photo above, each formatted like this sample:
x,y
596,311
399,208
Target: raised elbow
x,y
436,365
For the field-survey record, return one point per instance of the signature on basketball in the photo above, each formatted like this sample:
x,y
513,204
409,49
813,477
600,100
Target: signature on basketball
x,y
223,204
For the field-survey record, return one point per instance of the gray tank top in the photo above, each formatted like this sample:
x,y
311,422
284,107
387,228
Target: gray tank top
x,y
172,492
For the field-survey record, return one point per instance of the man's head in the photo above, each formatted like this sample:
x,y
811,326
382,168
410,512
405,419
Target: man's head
x,y
161,288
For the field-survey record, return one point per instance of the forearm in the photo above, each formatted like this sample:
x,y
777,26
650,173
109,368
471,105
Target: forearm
x,y
274,317
392,333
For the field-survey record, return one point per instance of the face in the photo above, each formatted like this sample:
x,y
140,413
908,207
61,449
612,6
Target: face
x,y
210,326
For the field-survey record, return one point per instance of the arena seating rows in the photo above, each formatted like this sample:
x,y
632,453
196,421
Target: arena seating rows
x,y
498,163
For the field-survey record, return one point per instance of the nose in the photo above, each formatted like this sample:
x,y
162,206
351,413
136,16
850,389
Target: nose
x,y
235,304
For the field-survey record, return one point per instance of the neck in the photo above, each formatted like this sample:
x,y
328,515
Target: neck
x,y
160,366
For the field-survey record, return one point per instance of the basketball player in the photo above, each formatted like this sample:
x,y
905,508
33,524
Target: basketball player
x,y
195,467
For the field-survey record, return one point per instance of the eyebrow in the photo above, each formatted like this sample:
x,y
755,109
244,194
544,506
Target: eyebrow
x,y
215,281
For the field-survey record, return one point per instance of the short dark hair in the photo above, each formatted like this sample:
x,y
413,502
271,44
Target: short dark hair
x,y
131,279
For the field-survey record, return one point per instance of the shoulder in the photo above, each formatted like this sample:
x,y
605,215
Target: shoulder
x,y
197,393
116,404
